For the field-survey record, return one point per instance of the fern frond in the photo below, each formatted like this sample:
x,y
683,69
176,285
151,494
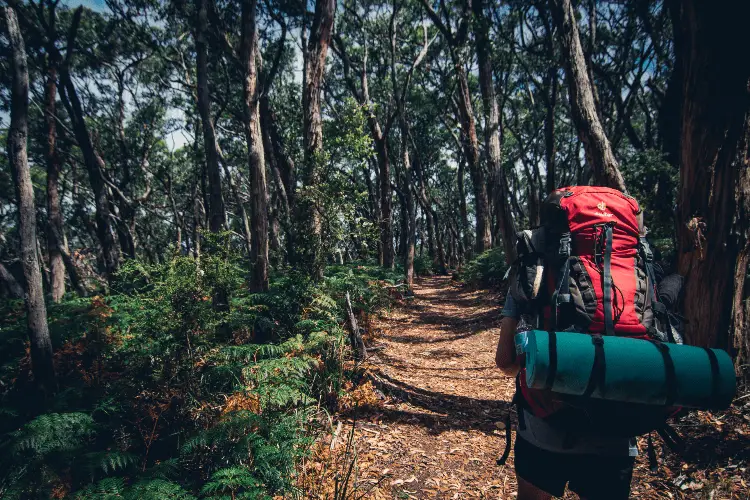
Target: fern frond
x,y
157,489
53,432
109,461
109,488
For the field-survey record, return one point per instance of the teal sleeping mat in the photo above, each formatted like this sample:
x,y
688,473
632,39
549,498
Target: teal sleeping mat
x,y
627,369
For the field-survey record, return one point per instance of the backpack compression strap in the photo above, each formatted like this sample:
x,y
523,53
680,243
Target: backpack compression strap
x,y
609,323
561,295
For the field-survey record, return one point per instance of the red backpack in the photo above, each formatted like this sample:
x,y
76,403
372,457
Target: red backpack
x,y
588,269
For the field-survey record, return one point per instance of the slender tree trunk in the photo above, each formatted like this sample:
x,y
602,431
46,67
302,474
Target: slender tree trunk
x,y
283,168
256,161
471,151
92,159
11,283
714,195
492,131
550,85
462,208
126,225
41,345
54,213
386,202
410,217
441,267
310,228
216,211
598,149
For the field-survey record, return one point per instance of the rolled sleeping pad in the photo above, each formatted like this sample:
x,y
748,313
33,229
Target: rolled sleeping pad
x,y
629,370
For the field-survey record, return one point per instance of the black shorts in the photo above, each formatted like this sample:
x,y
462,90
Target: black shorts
x,y
590,476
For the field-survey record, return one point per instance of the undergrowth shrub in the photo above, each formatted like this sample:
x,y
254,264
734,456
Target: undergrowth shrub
x,y
164,395
487,269
423,266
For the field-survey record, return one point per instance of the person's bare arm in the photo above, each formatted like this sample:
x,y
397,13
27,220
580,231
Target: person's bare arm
x,y
505,356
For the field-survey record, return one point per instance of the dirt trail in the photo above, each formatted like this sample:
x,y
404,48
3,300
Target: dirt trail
x,y
440,431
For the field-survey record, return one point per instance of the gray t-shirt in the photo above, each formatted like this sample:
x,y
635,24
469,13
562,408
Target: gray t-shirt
x,y
540,434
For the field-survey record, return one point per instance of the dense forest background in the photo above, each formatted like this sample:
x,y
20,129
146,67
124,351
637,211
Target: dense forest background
x,y
199,198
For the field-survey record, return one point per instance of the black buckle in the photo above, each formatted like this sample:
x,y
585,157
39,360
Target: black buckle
x,y
564,250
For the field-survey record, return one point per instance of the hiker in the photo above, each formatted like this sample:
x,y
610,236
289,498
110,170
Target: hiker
x,y
587,269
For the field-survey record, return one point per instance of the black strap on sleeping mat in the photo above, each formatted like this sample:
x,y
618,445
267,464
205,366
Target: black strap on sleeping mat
x,y
609,323
715,380
552,336
599,368
669,372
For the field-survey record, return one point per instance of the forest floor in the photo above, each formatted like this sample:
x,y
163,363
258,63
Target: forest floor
x,y
436,427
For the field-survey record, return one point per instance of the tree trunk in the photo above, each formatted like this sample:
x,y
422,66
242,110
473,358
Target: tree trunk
x,y
471,151
41,345
92,159
283,169
492,131
462,208
15,290
598,149
550,87
217,214
310,228
386,202
256,161
410,216
54,213
714,196
441,267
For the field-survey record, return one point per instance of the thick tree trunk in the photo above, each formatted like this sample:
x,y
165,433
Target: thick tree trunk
x,y
256,161
36,311
216,212
714,195
492,131
92,159
310,227
54,213
598,149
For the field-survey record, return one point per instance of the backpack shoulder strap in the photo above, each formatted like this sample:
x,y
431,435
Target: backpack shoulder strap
x,y
660,310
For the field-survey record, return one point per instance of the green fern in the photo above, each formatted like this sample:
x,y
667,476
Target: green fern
x,y
109,488
109,462
234,482
157,489
53,432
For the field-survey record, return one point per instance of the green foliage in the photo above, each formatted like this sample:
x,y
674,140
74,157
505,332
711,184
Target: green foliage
x,y
487,269
233,482
423,266
653,182
167,396
51,433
